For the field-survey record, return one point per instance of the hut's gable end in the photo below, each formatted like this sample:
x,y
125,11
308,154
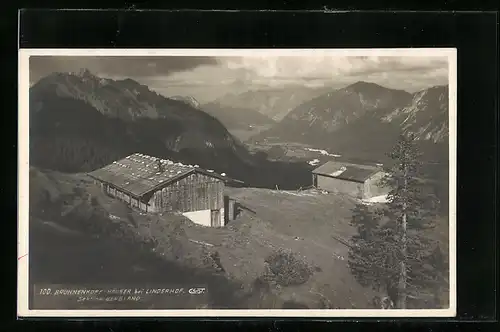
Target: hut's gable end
x,y
194,192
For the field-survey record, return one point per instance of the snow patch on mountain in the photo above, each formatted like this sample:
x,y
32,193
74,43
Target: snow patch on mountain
x,y
323,152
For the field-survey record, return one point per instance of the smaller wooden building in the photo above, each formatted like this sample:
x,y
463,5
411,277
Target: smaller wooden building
x,y
153,185
360,181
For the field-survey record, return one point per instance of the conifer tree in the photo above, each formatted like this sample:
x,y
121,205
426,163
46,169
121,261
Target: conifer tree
x,y
392,251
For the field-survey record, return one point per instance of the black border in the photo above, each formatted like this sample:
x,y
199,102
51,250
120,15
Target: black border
x,y
249,29
473,34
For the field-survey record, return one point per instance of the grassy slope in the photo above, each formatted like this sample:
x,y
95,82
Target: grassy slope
x,y
303,222
77,243
309,223
243,244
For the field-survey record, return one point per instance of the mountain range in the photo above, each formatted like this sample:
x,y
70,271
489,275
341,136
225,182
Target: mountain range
x,y
237,118
274,103
426,115
114,112
366,119
80,122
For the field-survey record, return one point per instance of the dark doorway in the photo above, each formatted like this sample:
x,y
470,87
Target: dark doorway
x,y
229,209
215,222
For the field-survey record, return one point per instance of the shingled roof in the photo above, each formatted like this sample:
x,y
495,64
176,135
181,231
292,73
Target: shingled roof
x,y
347,171
139,174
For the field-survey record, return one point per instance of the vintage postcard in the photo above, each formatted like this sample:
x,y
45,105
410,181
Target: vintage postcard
x,y
237,183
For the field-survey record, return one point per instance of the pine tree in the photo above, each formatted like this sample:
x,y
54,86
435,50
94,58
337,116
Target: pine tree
x,y
392,251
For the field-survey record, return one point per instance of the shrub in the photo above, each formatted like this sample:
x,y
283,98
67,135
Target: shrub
x,y
211,260
286,269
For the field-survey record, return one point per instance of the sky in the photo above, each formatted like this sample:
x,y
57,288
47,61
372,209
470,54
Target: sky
x,y
207,78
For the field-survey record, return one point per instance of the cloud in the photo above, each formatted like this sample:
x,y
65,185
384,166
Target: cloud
x,y
237,74
399,72
207,78
331,67
115,66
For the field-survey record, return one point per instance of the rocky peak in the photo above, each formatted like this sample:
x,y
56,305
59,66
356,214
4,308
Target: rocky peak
x,y
362,85
188,100
85,73
426,115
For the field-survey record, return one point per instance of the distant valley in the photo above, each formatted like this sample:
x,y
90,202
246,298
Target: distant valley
x,y
273,103
238,118
249,113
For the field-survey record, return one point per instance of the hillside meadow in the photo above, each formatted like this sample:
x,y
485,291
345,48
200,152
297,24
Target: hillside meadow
x,y
99,239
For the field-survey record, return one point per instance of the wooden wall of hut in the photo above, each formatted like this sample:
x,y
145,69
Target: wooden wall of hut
x,y
192,193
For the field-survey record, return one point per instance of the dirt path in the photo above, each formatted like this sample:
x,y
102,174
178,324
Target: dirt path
x,y
60,228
